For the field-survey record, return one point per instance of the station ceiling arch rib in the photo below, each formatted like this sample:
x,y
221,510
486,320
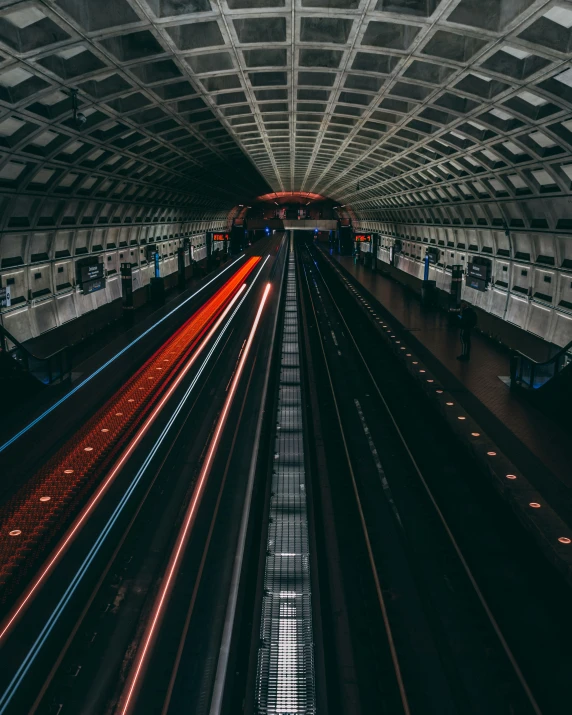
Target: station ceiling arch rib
x,y
389,106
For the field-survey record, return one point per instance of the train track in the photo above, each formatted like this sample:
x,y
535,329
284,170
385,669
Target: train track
x,y
106,572
334,342
33,517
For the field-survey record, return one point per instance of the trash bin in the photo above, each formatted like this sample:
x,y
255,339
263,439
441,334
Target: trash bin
x,y
157,291
429,293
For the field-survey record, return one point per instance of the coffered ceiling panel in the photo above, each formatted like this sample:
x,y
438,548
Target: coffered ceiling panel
x,y
377,103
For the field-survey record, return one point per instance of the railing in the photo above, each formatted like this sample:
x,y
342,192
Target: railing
x,y
47,369
526,372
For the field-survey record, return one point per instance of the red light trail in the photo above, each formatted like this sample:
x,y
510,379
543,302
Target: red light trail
x,y
35,514
128,698
97,496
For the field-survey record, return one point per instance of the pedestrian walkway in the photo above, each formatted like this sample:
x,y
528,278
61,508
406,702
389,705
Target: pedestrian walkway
x,y
538,446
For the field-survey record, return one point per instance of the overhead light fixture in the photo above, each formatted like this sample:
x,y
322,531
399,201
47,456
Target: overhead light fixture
x,y
79,119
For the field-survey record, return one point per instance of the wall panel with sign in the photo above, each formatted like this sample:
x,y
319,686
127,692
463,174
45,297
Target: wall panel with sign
x,y
219,241
479,273
90,275
5,298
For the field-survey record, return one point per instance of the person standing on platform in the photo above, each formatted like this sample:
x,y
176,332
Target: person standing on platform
x,y
468,318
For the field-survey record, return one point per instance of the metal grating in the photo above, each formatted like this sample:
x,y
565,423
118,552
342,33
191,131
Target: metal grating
x,y
285,678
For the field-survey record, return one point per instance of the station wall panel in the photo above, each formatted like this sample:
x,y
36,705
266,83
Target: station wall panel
x,y
43,316
65,308
40,266
531,284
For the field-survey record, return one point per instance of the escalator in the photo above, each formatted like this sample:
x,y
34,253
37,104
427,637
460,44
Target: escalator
x,y
548,385
23,374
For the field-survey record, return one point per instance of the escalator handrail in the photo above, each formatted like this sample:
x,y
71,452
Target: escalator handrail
x,y
18,344
518,358
57,364
554,358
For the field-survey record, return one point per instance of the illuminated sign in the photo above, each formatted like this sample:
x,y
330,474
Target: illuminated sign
x,y
362,237
478,272
93,286
91,273
220,236
476,283
433,254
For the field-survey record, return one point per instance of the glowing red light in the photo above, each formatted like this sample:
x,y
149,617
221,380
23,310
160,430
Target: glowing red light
x,y
85,463
128,699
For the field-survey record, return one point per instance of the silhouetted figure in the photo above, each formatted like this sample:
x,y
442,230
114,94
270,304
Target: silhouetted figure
x,y
468,318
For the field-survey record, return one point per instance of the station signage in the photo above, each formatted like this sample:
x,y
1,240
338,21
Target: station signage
x,y
362,237
93,286
127,284
90,275
432,255
5,298
476,283
92,272
477,271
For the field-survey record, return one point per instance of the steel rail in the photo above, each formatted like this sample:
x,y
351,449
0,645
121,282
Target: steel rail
x,y
121,541
54,617
224,652
31,518
190,610
498,632
129,696
371,557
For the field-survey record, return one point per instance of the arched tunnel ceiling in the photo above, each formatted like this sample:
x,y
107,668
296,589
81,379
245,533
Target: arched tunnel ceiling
x,y
378,103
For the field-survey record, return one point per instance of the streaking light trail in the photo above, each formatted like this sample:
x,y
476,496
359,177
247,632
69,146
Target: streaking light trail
x,y
26,521
96,498
51,621
128,700
111,360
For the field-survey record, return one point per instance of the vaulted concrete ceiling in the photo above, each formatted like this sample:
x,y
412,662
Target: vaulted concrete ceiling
x,y
375,103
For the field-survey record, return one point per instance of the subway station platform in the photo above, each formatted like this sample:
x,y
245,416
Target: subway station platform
x,y
540,447
100,363
239,474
